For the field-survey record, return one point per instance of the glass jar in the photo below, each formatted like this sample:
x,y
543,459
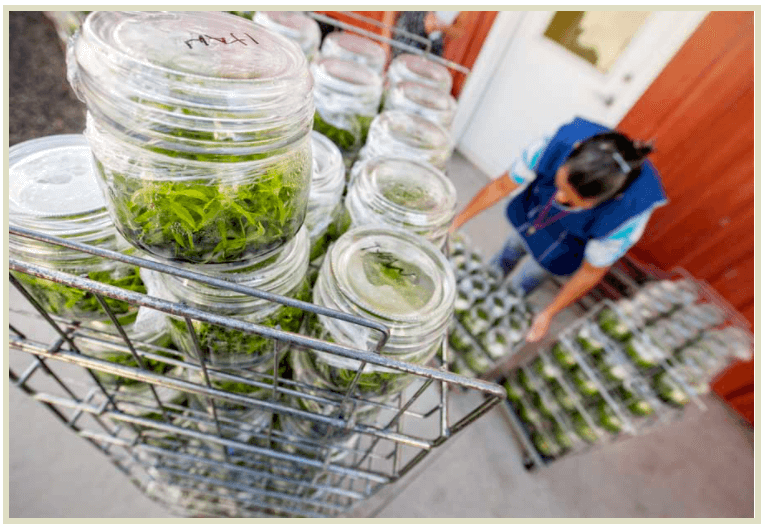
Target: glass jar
x,y
402,193
431,103
325,205
210,167
282,272
395,133
347,97
52,189
296,26
389,276
416,68
358,49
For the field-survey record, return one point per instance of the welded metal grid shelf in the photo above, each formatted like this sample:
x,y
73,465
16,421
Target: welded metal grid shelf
x,y
195,458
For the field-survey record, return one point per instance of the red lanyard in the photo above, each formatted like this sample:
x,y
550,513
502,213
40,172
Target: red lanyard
x,y
540,222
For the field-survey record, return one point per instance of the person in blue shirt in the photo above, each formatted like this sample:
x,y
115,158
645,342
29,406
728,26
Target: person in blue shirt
x,y
580,200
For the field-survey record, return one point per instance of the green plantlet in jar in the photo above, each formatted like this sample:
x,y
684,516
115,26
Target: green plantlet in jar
x,y
636,404
583,383
546,407
344,139
543,446
583,429
218,342
210,222
562,438
612,326
563,398
640,354
669,390
563,356
545,370
607,419
514,392
126,359
590,345
524,381
63,300
530,416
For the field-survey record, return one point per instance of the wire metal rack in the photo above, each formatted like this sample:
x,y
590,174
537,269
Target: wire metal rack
x,y
176,437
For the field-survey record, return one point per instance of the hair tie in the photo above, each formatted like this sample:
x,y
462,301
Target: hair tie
x,y
622,163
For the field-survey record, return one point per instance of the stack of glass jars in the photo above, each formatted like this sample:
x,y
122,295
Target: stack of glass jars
x,y
394,133
347,97
294,25
403,193
431,103
386,275
407,67
203,168
350,46
200,126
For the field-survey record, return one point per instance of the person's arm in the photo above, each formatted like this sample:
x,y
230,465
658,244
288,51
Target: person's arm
x,y
599,256
495,191
583,280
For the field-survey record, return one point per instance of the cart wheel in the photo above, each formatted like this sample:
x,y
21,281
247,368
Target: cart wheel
x,y
528,463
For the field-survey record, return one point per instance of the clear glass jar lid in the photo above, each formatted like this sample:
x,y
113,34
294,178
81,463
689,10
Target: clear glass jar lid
x,y
392,274
410,67
408,130
350,46
52,182
204,71
405,191
294,25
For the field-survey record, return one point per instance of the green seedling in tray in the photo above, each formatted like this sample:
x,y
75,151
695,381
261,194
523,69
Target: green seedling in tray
x,y
210,221
613,326
669,390
583,429
563,356
63,300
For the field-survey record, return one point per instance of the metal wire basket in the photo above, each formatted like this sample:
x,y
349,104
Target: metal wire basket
x,y
193,457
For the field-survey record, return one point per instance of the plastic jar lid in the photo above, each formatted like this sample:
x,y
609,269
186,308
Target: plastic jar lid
x,y
405,134
410,67
424,100
403,193
350,46
294,25
200,71
279,272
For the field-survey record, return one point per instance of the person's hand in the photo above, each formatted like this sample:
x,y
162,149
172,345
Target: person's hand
x,y
539,327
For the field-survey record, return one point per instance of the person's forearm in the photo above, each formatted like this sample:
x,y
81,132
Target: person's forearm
x,y
485,198
578,286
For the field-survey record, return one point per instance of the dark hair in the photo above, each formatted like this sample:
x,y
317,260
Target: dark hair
x,y
604,165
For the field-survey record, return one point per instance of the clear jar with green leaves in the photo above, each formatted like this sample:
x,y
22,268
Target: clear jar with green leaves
x,y
403,193
296,26
52,189
385,275
282,272
347,98
199,123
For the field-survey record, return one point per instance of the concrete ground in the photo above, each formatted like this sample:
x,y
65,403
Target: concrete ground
x,y
699,467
